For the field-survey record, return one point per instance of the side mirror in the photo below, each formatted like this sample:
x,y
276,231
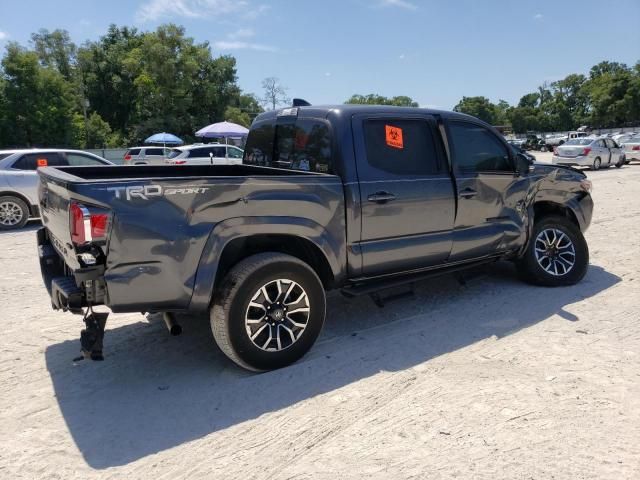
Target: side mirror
x,y
523,164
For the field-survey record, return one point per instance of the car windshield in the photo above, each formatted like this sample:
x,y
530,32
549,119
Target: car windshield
x,y
174,153
579,141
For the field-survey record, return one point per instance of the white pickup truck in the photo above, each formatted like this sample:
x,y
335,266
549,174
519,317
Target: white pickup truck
x,y
556,140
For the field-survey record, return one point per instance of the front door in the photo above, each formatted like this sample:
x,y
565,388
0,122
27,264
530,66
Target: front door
x,y
491,210
406,194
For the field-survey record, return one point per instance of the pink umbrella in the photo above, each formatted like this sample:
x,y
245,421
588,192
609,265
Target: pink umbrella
x,y
222,129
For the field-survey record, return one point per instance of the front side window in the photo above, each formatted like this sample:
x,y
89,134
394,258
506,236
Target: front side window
x,y
476,149
32,161
400,147
303,144
234,152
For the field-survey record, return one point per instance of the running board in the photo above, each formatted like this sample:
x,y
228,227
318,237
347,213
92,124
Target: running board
x,y
368,287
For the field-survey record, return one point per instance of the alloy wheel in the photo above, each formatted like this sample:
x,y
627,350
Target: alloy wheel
x,y
10,214
277,315
555,252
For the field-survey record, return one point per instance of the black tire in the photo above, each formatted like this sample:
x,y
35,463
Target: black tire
x,y
531,269
620,164
14,213
596,164
544,148
230,311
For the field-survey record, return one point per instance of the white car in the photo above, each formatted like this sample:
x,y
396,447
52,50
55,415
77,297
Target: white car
x,y
146,155
594,153
19,179
209,154
631,147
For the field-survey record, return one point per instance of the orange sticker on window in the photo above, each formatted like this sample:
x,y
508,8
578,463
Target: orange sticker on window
x,y
42,162
394,136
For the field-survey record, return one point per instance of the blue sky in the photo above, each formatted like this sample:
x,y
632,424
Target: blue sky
x,y
324,51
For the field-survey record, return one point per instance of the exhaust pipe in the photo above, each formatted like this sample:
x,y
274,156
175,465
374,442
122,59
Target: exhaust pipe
x,y
170,321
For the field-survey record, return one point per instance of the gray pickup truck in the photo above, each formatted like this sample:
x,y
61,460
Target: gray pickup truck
x,y
348,197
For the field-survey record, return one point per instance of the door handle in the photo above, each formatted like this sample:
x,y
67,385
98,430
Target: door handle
x,y
468,193
381,197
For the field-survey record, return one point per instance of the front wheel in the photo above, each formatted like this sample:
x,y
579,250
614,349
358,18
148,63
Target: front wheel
x,y
557,253
268,311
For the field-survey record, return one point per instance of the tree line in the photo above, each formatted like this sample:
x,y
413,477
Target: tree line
x,y
115,91
609,96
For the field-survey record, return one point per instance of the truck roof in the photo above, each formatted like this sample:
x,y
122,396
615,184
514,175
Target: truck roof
x,y
354,109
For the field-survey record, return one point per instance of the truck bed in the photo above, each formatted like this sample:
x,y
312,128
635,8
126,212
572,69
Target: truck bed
x,y
166,220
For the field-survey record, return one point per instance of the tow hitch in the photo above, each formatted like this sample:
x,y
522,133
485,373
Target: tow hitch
x,y
92,336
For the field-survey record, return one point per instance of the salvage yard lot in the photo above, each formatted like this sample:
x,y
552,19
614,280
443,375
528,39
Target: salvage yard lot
x,y
492,379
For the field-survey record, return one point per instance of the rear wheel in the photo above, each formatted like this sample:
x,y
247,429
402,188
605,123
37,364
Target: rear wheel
x,y
556,255
596,164
268,312
544,148
14,213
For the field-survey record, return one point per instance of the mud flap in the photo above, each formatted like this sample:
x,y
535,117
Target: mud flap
x,y
92,336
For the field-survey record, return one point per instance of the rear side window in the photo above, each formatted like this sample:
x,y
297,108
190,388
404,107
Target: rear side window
x,y
304,144
154,151
133,151
77,159
401,147
4,155
32,161
174,153
477,149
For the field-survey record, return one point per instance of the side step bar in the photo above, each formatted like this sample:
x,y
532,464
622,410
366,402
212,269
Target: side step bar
x,y
372,286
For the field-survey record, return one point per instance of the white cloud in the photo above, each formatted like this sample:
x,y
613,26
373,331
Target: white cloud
x,y
242,33
401,57
538,16
241,45
398,4
153,10
327,74
3,35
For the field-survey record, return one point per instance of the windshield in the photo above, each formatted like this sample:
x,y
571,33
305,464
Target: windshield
x,y
174,153
297,144
579,141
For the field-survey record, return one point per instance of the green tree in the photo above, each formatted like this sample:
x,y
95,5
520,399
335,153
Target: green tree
x,y
94,133
235,115
38,100
479,107
375,99
56,50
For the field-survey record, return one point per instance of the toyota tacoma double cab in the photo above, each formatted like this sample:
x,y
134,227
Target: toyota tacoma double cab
x,y
355,198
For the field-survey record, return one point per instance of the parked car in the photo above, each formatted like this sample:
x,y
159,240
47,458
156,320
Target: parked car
x,y
560,139
146,155
520,150
19,180
206,154
370,197
631,148
534,142
594,153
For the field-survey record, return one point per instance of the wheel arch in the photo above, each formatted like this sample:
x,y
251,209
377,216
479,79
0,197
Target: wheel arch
x,y
13,193
544,208
236,239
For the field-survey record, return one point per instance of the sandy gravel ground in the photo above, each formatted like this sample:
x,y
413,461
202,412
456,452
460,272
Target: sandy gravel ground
x,y
491,380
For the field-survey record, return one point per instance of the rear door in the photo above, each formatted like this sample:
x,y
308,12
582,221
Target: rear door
x,y
24,177
491,214
602,151
406,193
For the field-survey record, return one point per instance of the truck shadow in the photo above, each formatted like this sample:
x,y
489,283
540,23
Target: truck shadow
x,y
154,392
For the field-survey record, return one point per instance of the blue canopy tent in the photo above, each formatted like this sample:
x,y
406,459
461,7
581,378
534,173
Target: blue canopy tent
x,y
164,139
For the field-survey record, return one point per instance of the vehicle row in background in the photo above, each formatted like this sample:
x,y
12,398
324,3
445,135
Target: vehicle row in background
x,y
19,180
594,153
197,154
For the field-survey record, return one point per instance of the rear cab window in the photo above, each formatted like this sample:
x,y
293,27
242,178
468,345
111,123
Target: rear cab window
x,y
302,144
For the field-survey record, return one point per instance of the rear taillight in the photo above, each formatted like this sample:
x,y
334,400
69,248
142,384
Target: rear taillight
x,y
87,226
178,162
586,151
635,147
127,158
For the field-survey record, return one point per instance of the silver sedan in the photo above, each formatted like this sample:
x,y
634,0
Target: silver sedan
x,y
594,153
19,180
